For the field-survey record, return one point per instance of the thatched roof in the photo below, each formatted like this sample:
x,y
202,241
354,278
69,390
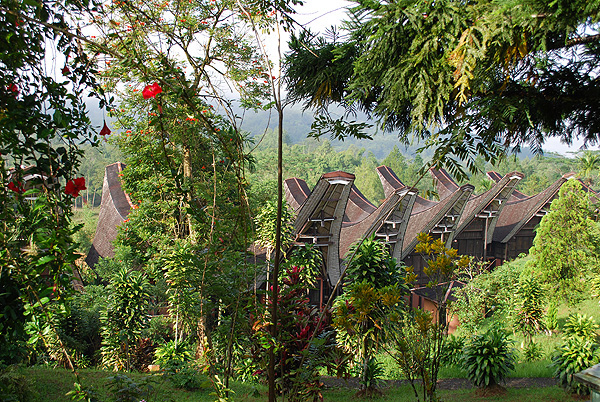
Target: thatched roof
x,y
319,218
518,212
114,208
486,206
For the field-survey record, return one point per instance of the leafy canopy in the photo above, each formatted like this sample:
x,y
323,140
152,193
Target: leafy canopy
x,y
468,78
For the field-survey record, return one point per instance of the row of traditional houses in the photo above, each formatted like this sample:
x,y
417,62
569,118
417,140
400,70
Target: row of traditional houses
x,y
494,226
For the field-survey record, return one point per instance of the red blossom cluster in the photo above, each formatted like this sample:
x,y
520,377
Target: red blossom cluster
x,y
73,187
150,91
17,187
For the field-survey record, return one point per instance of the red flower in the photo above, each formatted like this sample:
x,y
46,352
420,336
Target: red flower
x,y
151,91
105,130
14,89
65,70
17,187
74,186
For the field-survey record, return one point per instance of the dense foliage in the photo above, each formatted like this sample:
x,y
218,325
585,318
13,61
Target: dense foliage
x,y
486,74
488,358
42,123
566,248
578,351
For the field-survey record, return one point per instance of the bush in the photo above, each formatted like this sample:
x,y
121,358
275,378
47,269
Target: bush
x,y
532,352
574,355
125,389
159,329
452,350
488,358
470,306
175,360
14,386
581,326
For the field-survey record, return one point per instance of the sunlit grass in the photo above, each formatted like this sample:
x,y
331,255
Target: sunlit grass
x,y
51,385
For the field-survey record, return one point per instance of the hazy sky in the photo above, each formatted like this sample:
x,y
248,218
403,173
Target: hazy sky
x,y
319,15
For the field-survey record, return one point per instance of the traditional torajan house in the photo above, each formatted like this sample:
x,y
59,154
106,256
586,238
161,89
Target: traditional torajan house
x,y
439,219
516,225
114,208
476,227
498,224
319,217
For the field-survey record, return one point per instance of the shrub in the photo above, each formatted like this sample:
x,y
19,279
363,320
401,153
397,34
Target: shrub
x,y
470,306
529,315
175,359
373,371
14,386
574,355
488,358
581,326
532,352
125,389
172,353
452,350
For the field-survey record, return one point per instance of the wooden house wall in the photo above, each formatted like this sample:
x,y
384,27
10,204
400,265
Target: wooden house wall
x,y
521,242
423,303
471,240
418,263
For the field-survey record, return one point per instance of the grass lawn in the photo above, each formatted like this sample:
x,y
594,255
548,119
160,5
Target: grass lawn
x,y
51,385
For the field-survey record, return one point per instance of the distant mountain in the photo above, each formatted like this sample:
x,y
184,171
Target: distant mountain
x,y
296,125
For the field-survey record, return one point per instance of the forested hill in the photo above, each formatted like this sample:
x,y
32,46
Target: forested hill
x,y
308,159
297,124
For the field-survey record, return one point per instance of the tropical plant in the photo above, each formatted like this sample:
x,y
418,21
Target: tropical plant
x,y
43,120
533,351
580,325
572,356
125,316
265,223
470,307
552,316
453,348
529,316
126,389
488,358
416,344
372,303
589,163
565,247
14,386
305,345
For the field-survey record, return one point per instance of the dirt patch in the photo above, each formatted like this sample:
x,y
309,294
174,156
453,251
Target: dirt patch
x,y
494,390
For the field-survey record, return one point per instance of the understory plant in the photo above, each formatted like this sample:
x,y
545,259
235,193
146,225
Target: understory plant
x,y
488,357
305,346
579,350
124,318
416,344
175,359
420,337
370,307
